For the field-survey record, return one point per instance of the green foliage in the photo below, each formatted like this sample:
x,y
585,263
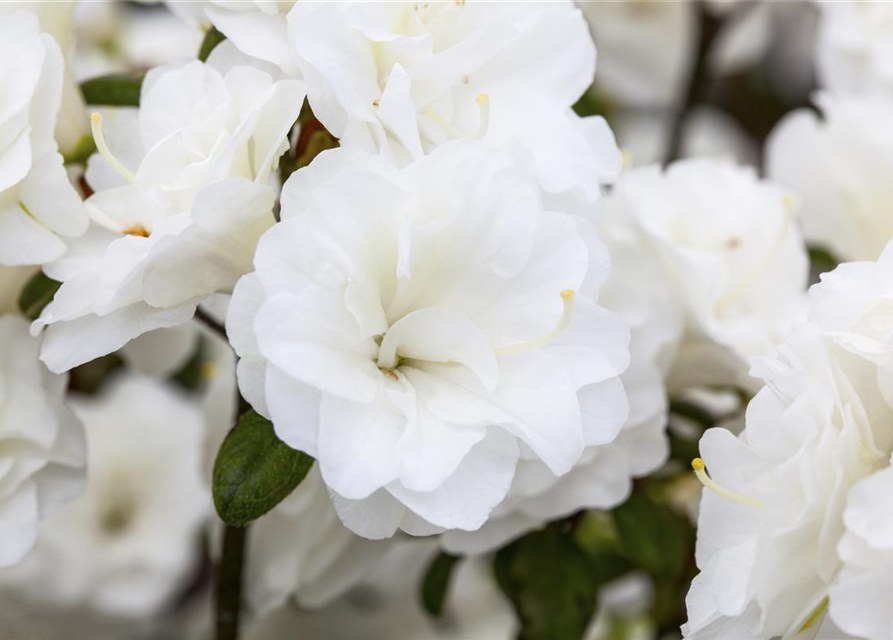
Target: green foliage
x,y
115,90
212,38
37,294
436,582
653,537
551,582
82,151
821,261
254,471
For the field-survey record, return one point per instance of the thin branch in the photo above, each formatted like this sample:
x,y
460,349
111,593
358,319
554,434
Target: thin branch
x,y
205,318
229,583
710,25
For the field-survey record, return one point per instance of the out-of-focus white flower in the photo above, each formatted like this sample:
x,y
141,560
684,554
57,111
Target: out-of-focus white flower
x,y
41,442
186,223
767,541
127,544
56,18
302,551
402,78
647,47
418,331
258,28
861,602
386,605
37,202
732,255
839,165
602,478
854,51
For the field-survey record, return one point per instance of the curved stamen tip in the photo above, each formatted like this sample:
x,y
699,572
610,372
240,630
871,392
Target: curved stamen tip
x,y
698,465
482,99
567,299
104,151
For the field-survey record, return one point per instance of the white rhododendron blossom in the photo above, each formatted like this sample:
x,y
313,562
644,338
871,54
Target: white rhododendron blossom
x,y
130,541
731,253
602,478
402,78
42,447
421,331
301,551
768,552
795,522
186,223
839,165
854,48
257,28
39,207
12,281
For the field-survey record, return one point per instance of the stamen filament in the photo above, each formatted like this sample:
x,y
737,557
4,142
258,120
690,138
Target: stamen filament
x,y
483,102
104,151
698,465
567,297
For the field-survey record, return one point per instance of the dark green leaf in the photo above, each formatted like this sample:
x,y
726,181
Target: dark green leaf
x,y
212,38
821,261
255,471
653,537
37,294
550,582
116,90
437,582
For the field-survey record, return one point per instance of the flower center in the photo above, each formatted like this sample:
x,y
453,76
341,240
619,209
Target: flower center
x,y
698,465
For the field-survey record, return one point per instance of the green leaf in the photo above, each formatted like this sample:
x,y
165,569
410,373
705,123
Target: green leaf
x,y
437,581
254,471
116,90
550,582
212,38
653,537
37,294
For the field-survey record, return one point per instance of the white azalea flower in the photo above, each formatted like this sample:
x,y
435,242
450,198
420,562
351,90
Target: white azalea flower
x,y
861,603
768,533
839,164
37,202
127,544
56,19
402,78
854,49
41,442
854,305
186,223
258,28
602,478
732,255
406,329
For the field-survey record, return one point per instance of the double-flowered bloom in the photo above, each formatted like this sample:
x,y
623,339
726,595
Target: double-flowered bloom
x,y
420,331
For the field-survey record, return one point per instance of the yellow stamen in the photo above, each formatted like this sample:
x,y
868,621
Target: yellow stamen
x,y
104,151
814,616
483,102
698,465
567,298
